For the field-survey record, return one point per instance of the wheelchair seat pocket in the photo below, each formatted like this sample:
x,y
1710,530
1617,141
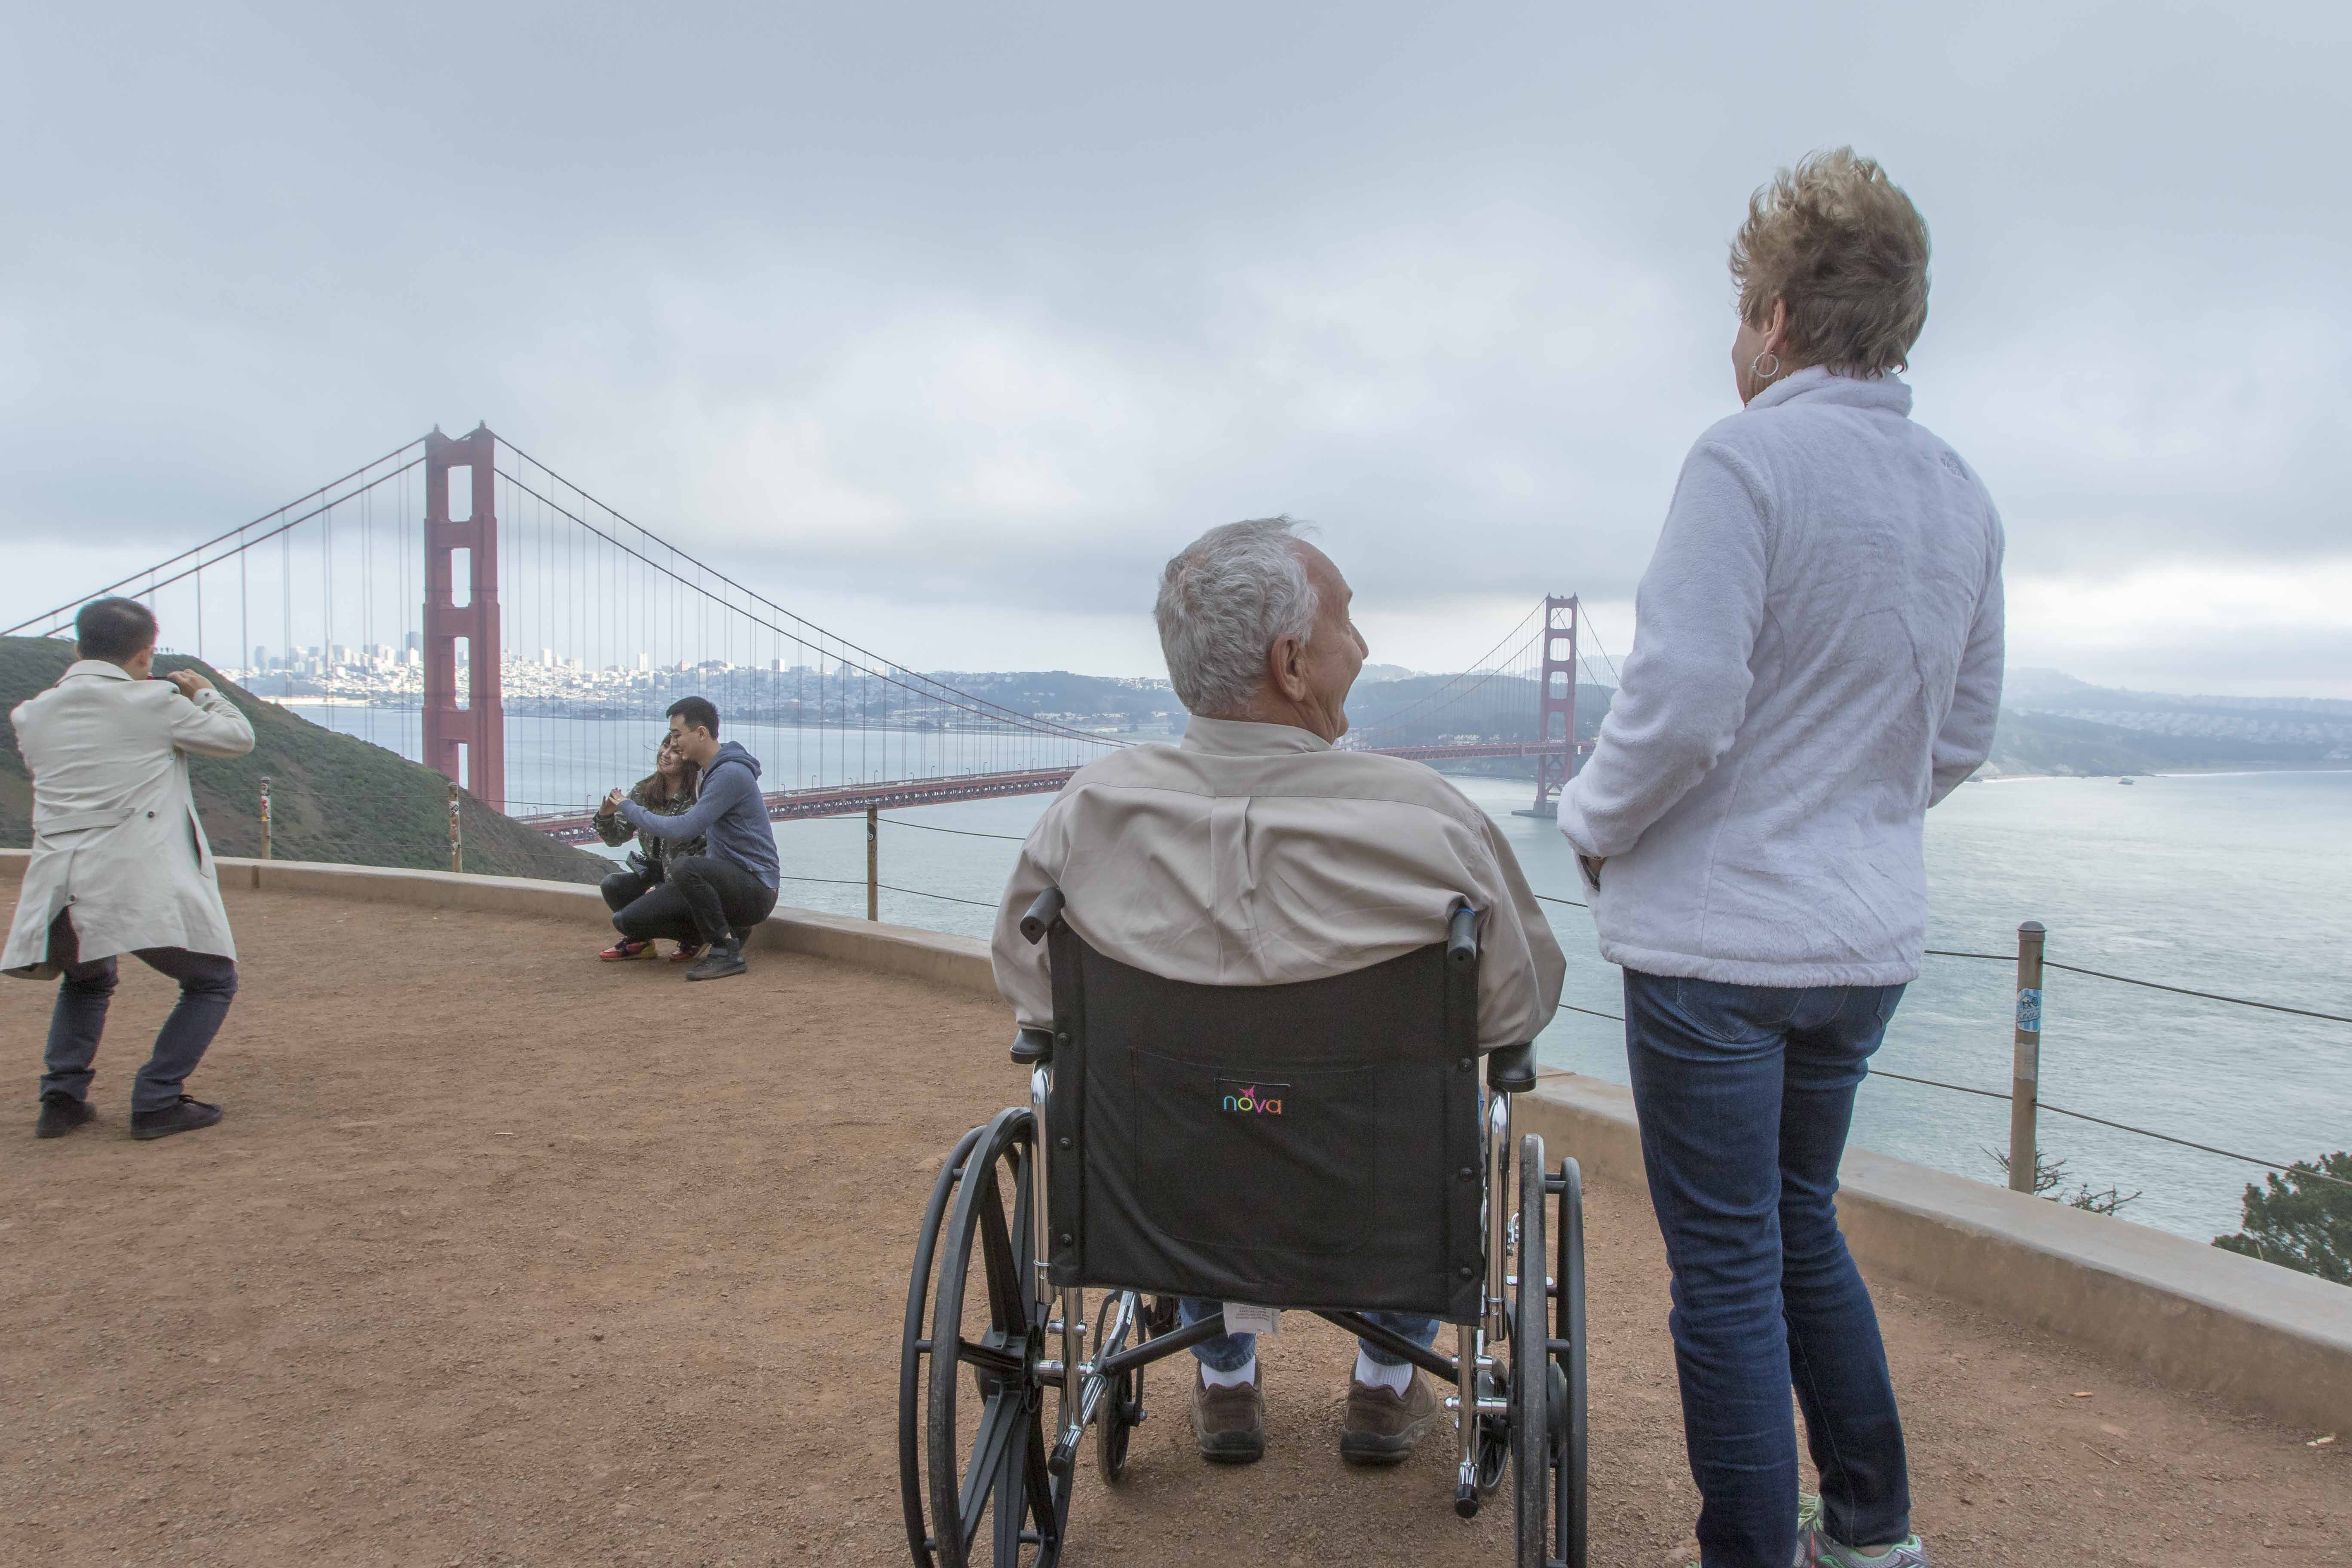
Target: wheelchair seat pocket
x,y
1277,1162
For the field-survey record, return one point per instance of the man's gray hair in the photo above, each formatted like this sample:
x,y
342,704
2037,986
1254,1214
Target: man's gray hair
x,y
1223,602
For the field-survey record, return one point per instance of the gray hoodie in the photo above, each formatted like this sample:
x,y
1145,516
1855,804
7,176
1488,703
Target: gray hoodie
x,y
729,810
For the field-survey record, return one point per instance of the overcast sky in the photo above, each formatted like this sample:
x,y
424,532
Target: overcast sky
x,y
945,324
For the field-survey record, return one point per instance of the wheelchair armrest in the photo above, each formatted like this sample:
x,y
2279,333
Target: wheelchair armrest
x,y
1031,1047
1511,1070
1461,935
1042,912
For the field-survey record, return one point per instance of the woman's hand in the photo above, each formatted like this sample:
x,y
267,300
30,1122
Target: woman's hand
x,y
612,803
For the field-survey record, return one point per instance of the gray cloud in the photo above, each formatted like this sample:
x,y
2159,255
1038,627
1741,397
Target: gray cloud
x,y
919,315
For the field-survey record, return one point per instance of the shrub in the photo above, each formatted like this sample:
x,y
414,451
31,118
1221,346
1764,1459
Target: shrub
x,y
2303,1221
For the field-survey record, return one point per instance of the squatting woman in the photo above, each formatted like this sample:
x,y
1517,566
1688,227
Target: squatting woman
x,y
668,790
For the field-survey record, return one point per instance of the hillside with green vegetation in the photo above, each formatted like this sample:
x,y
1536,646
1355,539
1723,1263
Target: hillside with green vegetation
x,y
332,797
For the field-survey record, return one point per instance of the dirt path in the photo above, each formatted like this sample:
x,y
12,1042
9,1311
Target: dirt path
x,y
504,1256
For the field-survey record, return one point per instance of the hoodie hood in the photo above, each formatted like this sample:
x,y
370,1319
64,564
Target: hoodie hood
x,y
732,752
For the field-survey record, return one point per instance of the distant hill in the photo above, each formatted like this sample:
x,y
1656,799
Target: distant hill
x,y
1084,701
332,797
2053,723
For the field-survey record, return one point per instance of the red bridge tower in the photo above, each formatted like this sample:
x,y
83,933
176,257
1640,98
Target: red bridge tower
x,y
1555,703
465,739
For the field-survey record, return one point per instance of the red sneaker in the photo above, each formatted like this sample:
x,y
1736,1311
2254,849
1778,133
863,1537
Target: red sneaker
x,y
630,948
687,952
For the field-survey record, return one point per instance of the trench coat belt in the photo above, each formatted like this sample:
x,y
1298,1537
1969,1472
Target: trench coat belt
x,y
50,822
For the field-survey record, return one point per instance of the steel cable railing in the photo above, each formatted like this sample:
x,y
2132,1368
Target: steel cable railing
x,y
873,884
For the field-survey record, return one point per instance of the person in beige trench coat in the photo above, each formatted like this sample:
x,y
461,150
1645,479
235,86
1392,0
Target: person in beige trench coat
x,y
120,864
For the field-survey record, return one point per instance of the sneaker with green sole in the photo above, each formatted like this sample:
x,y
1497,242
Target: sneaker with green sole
x,y
1816,1550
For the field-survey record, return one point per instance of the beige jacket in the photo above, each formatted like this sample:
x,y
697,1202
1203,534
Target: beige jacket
x,y
115,835
1257,855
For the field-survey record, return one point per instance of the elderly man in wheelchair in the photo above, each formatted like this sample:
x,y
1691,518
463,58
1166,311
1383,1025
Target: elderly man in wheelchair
x,y
1256,978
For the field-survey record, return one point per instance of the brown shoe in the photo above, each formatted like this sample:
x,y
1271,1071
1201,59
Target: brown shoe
x,y
1383,1427
1229,1424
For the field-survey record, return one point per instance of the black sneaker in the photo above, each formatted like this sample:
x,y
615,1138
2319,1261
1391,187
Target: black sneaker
x,y
61,1114
188,1115
725,958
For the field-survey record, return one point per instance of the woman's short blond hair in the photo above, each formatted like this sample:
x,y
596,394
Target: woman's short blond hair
x,y
1844,246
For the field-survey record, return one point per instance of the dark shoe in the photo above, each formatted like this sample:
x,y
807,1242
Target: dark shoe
x,y
627,948
1229,1424
687,952
188,1115
61,1114
725,958
1383,1427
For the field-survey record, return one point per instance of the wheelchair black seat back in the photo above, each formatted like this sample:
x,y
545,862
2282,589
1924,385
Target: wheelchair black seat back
x,y
1312,1145
1330,1146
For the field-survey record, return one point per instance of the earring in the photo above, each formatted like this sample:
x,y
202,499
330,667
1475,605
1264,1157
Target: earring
x,y
1758,366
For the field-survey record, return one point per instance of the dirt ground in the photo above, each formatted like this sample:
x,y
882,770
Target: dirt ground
x,y
505,1255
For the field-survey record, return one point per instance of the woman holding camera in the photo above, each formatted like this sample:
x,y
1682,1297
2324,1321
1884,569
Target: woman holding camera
x,y
668,790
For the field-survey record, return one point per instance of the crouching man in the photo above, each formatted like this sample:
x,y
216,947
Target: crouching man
x,y
1255,854
713,899
120,864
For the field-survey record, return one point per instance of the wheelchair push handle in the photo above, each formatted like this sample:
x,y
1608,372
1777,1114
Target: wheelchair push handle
x,y
1461,935
1511,1070
1043,910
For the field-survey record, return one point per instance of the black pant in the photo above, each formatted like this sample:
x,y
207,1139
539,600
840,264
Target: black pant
x,y
207,985
702,899
623,888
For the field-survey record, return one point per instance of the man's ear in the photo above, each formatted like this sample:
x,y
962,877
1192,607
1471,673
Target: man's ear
x,y
1285,665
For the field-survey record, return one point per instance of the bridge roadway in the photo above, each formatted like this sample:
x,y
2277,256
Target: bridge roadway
x,y
892,795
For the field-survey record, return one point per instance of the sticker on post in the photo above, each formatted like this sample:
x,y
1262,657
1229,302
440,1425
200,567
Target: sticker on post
x,y
2029,1011
1243,1318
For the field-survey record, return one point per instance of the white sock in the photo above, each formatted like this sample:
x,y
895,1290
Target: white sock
x,y
1243,1378
1373,1375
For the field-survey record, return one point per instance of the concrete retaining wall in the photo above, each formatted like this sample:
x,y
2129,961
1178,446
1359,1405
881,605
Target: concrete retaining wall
x,y
2193,1316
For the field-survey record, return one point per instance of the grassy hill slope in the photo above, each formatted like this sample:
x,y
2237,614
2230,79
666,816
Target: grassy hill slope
x,y
332,797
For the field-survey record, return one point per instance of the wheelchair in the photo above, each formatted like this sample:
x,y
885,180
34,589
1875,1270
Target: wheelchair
x,y
1324,1146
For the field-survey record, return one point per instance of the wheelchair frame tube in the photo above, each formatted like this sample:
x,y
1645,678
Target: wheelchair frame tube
x,y
1499,1216
1438,1366
1068,1306
1150,1350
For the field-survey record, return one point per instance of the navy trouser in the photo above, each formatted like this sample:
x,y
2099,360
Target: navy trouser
x,y
1745,1093
207,985
1231,1353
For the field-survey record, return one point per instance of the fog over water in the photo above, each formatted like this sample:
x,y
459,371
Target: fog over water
x,y
2230,883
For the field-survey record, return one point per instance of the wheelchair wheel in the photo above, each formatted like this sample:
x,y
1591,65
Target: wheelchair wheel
x,y
1530,1374
984,1448
1120,1411
1570,1449
914,1349
1115,1419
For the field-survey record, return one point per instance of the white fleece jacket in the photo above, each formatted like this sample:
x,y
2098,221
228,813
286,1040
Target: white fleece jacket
x,y
1817,660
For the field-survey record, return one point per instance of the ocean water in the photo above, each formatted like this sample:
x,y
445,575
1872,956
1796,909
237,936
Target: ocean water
x,y
2235,883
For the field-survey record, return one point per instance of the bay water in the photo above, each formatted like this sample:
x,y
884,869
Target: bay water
x,y
2234,883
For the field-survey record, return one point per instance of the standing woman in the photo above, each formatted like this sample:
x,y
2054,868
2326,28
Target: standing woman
x,y
1817,660
668,790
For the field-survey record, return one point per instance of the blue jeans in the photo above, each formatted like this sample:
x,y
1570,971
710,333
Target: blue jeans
x,y
1231,1353
1745,1093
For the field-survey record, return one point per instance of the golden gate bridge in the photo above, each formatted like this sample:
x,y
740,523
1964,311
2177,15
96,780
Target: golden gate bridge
x,y
521,645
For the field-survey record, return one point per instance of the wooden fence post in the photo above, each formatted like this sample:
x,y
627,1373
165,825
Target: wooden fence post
x,y
873,864
2025,1070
